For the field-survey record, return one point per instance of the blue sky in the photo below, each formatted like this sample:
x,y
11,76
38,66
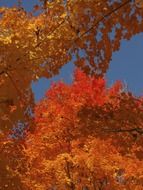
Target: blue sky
x,y
28,6
126,64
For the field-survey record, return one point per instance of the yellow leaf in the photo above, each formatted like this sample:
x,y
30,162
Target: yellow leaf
x,y
63,15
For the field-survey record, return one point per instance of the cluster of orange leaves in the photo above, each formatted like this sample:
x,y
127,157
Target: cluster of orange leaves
x,y
85,138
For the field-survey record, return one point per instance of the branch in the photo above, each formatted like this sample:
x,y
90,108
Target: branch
x,y
51,32
79,37
15,86
102,18
2,72
6,69
138,130
37,45
6,101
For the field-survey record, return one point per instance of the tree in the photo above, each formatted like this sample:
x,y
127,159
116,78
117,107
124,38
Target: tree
x,y
12,161
38,46
32,47
87,136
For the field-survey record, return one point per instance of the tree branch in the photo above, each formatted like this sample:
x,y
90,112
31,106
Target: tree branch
x,y
102,18
2,72
137,130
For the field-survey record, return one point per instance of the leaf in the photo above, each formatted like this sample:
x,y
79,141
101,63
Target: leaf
x,y
37,7
12,108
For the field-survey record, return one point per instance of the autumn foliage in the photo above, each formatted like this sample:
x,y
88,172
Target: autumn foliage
x,y
82,136
32,46
87,136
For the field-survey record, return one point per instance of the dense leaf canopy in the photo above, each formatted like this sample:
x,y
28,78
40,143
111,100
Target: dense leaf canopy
x,y
38,46
82,135
86,136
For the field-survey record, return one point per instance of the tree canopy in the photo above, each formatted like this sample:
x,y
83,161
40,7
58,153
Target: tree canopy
x,y
38,46
87,136
80,136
